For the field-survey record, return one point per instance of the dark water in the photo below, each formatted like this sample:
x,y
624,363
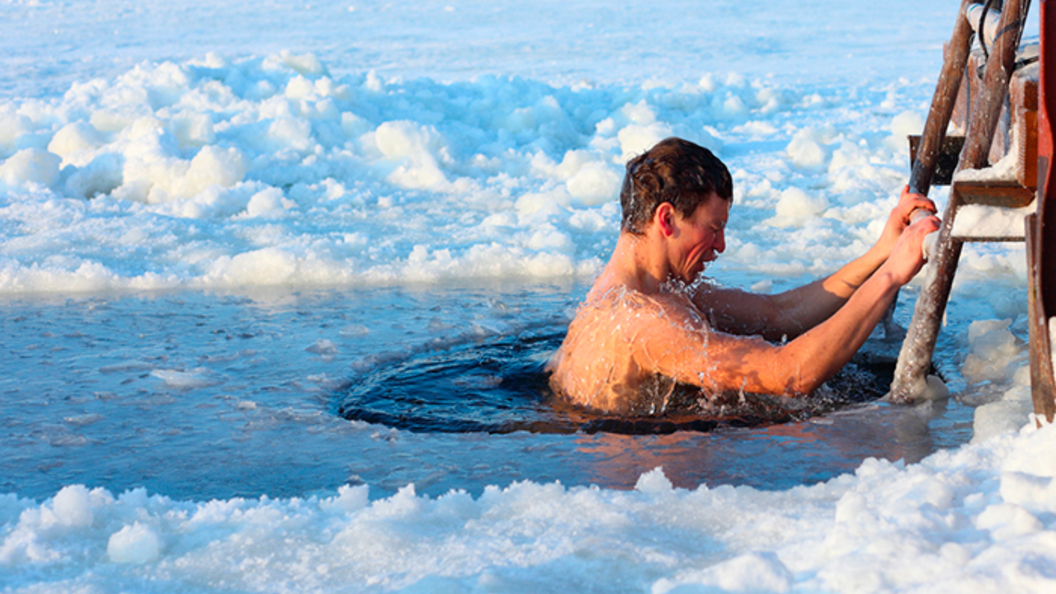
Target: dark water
x,y
500,386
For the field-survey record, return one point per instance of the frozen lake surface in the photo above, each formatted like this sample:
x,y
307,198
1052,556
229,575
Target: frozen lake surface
x,y
218,219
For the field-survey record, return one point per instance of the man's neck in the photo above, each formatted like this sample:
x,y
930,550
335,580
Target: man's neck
x,y
637,263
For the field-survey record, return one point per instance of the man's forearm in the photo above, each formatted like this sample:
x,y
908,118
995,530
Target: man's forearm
x,y
789,314
823,350
803,308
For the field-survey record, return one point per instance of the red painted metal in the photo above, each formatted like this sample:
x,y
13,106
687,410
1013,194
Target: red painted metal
x,y
1046,139
1041,229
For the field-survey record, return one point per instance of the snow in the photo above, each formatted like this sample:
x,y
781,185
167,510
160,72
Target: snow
x,y
976,518
181,182
977,220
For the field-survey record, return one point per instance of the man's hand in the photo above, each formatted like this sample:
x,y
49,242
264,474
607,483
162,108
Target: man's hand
x,y
907,256
899,220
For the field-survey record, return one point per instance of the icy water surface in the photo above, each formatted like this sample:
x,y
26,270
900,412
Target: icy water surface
x,y
502,386
202,395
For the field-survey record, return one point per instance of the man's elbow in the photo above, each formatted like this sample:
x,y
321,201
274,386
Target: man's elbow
x,y
801,386
801,375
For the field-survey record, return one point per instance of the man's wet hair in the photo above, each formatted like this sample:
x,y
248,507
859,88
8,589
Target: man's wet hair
x,y
676,171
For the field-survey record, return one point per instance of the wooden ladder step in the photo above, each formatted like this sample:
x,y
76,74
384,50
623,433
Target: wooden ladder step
x,y
990,209
992,192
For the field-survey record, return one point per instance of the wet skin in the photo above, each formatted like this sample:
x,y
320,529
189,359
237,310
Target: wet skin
x,y
645,326
699,238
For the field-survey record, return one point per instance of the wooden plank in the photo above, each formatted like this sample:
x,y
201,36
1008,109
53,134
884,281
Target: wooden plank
x,y
945,160
1023,94
1046,157
1026,129
1023,89
1003,193
1042,383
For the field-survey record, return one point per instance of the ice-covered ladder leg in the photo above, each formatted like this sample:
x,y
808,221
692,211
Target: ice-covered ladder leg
x,y
927,152
917,348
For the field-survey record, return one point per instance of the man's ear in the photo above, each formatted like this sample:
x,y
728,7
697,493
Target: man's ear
x,y
664,218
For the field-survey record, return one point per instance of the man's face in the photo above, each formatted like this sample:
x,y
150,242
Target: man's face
x,y
700,237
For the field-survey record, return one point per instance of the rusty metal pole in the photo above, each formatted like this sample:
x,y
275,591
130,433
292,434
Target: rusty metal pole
x,y
915,357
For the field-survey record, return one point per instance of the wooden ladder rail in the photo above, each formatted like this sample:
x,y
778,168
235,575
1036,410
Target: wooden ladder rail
x,y
927,152
914,359
942,104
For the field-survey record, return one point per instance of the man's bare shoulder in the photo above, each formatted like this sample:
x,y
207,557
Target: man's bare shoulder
x,y
622,322
608,352
632,324
622,301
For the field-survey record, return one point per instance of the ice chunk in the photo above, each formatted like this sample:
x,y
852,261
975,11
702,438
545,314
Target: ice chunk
x,y
187,380
806,150
654,482
12,128
348,499
752,572
795,207
72,506
268,202
135,544
594,184
903,125
31,166
74,138
100,176
992,351
322,347
996,418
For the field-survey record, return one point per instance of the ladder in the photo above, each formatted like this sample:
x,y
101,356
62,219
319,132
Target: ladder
x,y
914,359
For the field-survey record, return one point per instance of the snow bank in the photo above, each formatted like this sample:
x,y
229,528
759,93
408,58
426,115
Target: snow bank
x,y
220,173
998,360
979,517
263,167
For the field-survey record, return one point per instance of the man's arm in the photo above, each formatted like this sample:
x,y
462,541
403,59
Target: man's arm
x,y
720,362
790,314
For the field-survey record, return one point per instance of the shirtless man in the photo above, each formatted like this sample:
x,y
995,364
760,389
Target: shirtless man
x,y
647,327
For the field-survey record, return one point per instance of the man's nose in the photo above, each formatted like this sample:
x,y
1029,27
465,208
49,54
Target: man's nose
x,y
720,242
